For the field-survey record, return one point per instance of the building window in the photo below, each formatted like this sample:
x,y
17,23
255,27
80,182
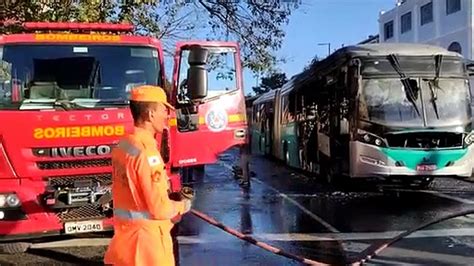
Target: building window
x,y
426,12
406,22
453,6
388,30
455,47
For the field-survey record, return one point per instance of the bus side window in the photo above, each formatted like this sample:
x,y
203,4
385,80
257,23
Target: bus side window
x,y
291,107
323,113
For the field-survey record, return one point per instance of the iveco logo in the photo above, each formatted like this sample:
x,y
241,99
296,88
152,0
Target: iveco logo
x,y
80,151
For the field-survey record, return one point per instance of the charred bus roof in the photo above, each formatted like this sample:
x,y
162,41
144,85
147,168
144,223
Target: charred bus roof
x,y
401,49
347,53
266,97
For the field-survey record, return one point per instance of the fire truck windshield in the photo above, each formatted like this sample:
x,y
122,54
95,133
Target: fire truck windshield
x,y
102,73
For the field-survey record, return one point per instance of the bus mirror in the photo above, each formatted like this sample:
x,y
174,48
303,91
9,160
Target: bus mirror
x,y
197,82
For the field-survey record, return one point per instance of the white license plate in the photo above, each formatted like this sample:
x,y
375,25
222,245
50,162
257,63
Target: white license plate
x,y
83,227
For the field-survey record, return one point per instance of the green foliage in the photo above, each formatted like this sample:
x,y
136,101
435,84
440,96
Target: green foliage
x,y
256,25
271,82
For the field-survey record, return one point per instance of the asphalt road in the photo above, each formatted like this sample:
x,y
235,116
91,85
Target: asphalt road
x,y
296,213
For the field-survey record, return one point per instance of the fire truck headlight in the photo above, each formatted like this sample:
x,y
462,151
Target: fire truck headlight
x,y
9,200
13,200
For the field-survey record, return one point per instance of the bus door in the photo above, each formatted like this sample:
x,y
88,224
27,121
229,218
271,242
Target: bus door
x,y
339,128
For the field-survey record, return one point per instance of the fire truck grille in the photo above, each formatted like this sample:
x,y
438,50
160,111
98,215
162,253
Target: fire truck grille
x,y
86,212
51,165
69,181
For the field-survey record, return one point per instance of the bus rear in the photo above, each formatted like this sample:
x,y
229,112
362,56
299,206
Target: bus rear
x,y
63,106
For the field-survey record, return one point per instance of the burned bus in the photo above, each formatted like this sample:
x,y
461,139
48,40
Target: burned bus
x,y
262,123
385,111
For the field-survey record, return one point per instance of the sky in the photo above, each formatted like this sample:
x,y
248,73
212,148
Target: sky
x,y
339,22
329,21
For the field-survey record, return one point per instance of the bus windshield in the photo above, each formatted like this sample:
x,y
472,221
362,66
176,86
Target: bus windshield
x,y
384,101
74,72
447,101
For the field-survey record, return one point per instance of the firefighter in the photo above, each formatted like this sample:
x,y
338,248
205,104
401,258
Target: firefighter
x,y
144,214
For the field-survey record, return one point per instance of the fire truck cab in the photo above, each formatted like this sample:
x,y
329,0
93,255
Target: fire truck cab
x,y
64,105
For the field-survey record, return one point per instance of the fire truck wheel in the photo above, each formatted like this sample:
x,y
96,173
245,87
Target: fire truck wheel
x,y
14,248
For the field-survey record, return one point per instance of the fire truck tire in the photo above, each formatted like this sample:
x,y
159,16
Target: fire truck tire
x,y
14,248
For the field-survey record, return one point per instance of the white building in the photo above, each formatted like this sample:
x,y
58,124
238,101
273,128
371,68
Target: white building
x,y
446,23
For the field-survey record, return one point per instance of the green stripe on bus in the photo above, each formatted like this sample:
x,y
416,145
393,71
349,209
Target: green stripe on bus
x,y
411,158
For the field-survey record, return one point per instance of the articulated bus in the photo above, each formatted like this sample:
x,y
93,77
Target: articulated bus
x,y
390,112
262,120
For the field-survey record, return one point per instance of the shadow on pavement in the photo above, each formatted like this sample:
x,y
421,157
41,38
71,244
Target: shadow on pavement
x,y
63,257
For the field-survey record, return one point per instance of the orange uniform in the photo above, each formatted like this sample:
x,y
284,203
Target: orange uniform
x,y
142,207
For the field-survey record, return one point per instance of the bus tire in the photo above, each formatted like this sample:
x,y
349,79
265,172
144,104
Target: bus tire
x,y
14,248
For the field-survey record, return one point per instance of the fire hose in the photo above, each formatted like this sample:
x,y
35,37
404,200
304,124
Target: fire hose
x,y
362,257
253,240
188,193
374,250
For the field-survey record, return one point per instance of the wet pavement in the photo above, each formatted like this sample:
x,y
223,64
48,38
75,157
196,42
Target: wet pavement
x,y
295,212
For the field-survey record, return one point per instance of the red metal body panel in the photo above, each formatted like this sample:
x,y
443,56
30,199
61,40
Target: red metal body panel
x,y
204,145
19,171
18,140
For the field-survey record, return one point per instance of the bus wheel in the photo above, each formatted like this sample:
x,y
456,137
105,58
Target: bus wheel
x,y
14,248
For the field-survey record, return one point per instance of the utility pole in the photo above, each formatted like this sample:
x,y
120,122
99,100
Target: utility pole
x,y
328,45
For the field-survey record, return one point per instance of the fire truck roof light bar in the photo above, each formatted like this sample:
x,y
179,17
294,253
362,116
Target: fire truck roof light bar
x,y
77,26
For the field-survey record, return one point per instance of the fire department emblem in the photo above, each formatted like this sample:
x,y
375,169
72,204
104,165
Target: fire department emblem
x,y
216,120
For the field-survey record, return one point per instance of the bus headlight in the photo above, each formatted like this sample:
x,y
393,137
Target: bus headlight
x,y
378,142
469,139
370,138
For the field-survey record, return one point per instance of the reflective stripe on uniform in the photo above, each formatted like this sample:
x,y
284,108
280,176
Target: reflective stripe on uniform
x,y
129,148
131,215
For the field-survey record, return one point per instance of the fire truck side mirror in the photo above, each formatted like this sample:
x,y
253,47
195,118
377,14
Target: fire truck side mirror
x,y
197,73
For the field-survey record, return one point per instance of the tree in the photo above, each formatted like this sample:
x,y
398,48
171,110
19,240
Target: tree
x,y
256,25
271,82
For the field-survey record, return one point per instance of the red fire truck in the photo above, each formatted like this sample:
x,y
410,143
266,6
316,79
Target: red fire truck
x,y
63,106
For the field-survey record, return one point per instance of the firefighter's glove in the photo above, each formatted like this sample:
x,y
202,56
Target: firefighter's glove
x,y
187,193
